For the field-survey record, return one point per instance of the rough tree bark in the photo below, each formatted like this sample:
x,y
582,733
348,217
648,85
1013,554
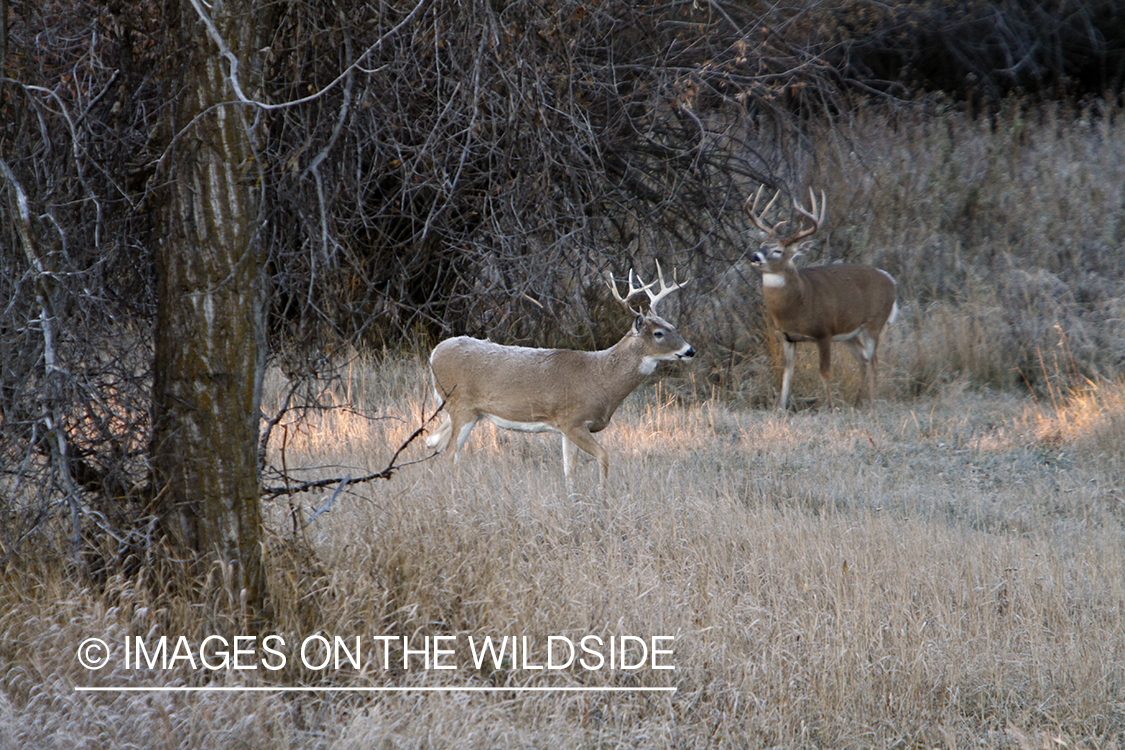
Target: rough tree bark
x,y
209,338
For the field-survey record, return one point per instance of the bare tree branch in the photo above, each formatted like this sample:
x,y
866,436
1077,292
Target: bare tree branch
x,y
386,473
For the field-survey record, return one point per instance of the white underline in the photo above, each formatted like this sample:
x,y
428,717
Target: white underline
x,y
451,689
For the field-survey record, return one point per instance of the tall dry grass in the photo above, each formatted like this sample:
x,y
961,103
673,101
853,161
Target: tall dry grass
x,y
945,569
1015,221
945,572
1005,231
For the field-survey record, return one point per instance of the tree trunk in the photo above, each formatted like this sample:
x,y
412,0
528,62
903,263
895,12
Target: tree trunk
x,y
209,328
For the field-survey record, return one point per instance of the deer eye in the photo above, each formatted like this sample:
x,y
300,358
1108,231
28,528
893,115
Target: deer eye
x,y
776,253
658,334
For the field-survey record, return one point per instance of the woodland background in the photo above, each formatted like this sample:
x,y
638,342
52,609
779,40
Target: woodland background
x,y
407,171
428,169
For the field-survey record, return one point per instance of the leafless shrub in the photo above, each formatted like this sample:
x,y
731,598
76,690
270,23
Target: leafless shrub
x,y
74,272
429,167
478,169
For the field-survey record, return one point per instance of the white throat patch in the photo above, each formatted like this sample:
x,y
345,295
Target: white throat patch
x,y
648,364
774,280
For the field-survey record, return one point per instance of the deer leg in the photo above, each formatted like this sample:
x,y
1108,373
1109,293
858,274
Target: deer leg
x,y
872,348
439,439
461,428
570,456
825,348
863,347
859,350
874,369
582,438
790,350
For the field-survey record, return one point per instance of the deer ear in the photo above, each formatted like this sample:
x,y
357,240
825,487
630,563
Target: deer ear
x,y
638,323
800,251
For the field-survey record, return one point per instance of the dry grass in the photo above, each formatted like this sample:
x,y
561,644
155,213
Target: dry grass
x,y
945,569
1014,220
1005,233
945,572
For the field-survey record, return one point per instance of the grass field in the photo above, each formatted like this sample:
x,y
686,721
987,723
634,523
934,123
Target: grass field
x,y
944,569
942,572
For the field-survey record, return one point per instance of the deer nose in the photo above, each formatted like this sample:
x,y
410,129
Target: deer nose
x,y
688,354
757,259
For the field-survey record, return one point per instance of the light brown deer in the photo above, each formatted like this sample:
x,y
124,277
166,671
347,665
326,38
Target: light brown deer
x,y
836,302
552,390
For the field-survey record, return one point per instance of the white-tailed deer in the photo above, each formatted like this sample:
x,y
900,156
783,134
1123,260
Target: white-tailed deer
x,y
836,302
552,390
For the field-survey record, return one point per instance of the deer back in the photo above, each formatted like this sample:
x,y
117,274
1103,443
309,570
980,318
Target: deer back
x,y
517,383
830,300
551,386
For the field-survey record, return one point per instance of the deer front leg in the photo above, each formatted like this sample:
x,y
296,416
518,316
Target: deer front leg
x,y
570,455
825,347
790,350
580,436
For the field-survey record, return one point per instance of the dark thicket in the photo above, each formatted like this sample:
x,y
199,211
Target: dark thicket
x,y
478,167
978,50
430,167
78,107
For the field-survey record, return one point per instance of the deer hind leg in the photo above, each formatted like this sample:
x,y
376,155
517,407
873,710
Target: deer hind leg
x,y
455,425
461,429
863,347
449,428
825,348
439,439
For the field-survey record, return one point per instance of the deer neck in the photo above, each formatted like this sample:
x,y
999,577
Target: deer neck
x,y
783,290
624,366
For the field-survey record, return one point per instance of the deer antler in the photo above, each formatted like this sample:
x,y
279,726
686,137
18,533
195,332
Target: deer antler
x,y
665,288
632,290
815,216
755,217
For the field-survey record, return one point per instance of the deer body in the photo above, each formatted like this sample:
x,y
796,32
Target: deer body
x,y
571,392
838,302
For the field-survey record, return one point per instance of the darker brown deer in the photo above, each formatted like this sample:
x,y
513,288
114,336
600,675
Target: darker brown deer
x,y
837,302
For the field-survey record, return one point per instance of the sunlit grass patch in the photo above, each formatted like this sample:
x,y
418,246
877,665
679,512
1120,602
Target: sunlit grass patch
x,y
931,571
1089,417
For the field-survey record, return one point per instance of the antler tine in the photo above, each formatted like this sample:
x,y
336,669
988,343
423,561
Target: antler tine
x,y
643,286
815,216
753,211
665,290
640,286
632,289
